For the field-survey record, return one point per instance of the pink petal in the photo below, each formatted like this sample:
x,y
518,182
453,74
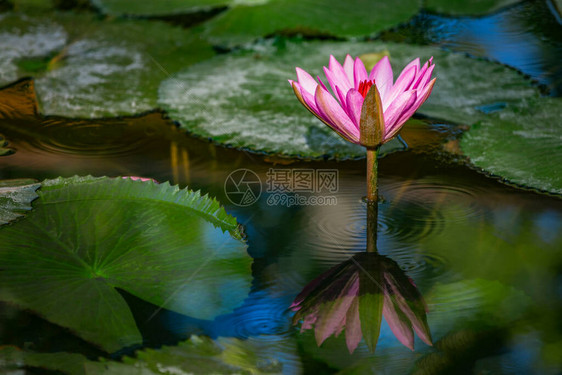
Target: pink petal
x,y
359,72
424,93
306,81
382,74
339,74
401,85
341,98
335,311
397,107
321,83
136,178
421,73
348,68
354,103
335,115
415,62
421,97
414,320
353,332
400,326
309,100
309,321
299,92
424,79
332,82
307,97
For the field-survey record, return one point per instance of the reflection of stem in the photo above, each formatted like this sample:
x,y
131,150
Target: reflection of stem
x,y
372,171
372,215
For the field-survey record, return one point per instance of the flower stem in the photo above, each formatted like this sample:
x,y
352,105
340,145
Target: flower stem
x,y
372,174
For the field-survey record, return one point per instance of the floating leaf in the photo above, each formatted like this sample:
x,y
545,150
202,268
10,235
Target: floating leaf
x,y
15,198
88,236
250,19
244,100
155,8
13,358
472,7
521,145
83,70
198,355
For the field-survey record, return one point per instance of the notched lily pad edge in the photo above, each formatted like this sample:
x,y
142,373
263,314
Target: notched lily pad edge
x,y
213,210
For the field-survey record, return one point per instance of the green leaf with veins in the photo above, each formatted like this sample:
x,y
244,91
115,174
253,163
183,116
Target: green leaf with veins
x,y
88,236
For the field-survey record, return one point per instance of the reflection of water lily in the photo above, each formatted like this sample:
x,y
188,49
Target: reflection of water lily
x,y
355,294
350,84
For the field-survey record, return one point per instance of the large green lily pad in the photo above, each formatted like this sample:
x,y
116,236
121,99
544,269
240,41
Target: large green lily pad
x,y
467,7
88,236
522,145
85,67
251,19
15,198
244,99
155,8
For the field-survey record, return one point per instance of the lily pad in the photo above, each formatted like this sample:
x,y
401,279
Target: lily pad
x,y
522,145
13,359
155,8
244,99
88,236
472,7
15,198
250,19
83,70
198,355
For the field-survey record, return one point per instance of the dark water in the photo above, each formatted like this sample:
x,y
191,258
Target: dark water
x,y
486,256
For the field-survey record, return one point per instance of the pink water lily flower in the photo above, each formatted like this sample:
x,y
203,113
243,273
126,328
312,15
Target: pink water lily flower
x,y
350,84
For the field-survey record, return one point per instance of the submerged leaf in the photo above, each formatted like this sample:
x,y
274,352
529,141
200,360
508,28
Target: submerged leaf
x,y
15,198
88,236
